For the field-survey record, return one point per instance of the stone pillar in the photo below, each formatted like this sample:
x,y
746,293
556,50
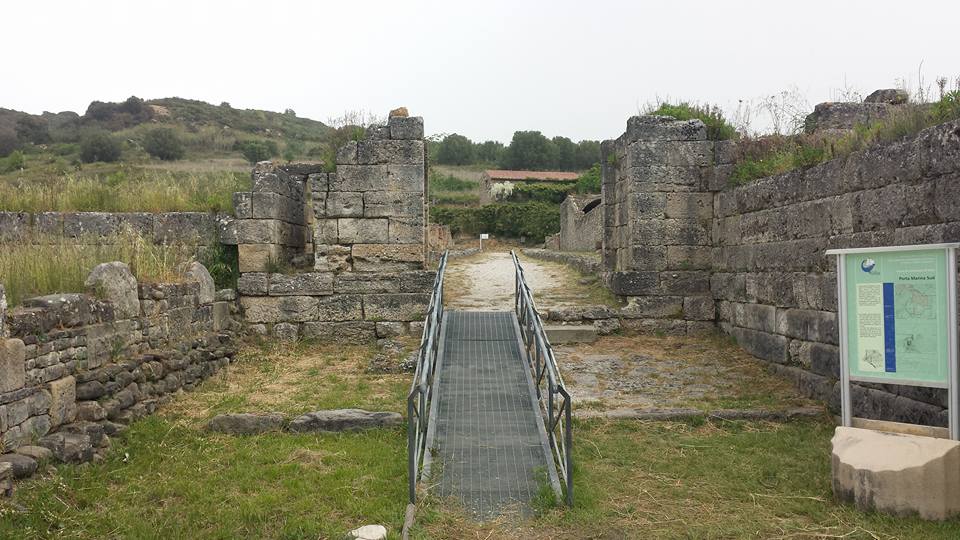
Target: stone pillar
x,y
271,219
658,211
366,276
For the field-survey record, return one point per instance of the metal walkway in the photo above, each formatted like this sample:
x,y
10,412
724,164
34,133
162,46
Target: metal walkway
x,y
489,418
490,442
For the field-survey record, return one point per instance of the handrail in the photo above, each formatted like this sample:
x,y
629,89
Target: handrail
x,y
555,405
421,389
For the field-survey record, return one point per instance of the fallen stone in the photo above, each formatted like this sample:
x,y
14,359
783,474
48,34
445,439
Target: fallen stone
x,y
23,466
896,473
6,479
38,453
344,420
114,281
69,447
245,423
198,272
369,532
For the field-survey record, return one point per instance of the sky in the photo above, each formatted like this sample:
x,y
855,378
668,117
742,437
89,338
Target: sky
x,y
483,69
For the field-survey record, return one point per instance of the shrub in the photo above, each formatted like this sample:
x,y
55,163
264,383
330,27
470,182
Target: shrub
x,y
12,162
542,191
532,220
99,146
717,127
256,151
590,181
455,150
163,143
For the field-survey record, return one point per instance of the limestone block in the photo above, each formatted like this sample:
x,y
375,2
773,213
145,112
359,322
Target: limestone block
x,y
115,283
80,224
257,257
12,365
689,205
808,325
395,307
325,231
665,232
243,205
347,154
380,152
387,257
331,258
389,329
392,204
344,307
221,316
279,309
183,227
896,473
344,204
257,231
410,127
3,311
288,332
362,231
409,178
755,316
663,128
63,401
685,283
360,178
406,230
366,283
634,283
309,283
254,284
656,307
343,420
769,347
198,272
699,308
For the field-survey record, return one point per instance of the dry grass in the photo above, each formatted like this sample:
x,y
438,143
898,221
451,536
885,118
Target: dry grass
x,y
46,265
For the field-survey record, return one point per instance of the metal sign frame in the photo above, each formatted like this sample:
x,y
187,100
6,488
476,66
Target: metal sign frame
x,y
953,384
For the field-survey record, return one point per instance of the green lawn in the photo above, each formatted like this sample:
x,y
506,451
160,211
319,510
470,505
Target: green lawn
x,y
167,478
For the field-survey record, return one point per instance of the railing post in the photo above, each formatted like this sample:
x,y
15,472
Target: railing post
x,y
413,430
568,450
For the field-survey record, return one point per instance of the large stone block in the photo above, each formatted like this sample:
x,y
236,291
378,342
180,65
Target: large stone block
x,y
653,307
685,283
362,231
808,325
326,232
395,307
12,365
63,401
634,283
663,128
198,272
279,309
331,258
770,347
257,257
406,230
699,308
243,205
254,284
755,316
344,204
896,473
80,224
405,127
366,283
258,231
387,257
392,204
115,283
382,152
309,284
689,205
343,307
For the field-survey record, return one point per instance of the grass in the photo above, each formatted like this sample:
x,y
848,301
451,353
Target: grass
x,y
43,187
47,265
453,190
718,129
167,478
776,154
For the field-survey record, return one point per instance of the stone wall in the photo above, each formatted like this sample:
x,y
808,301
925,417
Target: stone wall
x,y
339,255
776,290
581,223
657,213
74,368
191,228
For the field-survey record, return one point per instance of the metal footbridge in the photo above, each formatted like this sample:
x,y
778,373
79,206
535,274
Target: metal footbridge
x,y
488,413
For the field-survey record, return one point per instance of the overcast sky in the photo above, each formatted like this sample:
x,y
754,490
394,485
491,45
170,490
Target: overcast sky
x,y
483,68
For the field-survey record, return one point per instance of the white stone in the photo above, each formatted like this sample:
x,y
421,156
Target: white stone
x,y
198,272
114,281
896,473
370,532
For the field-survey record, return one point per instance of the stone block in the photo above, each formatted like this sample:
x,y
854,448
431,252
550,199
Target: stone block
x,y
770,347
344,307
634,283
665,232
257,257
114,282
392,204
254,284
663,128
896,473
387,257
685,283
243,205
689,205
90,224
406,230
266,205
309,284
410,127
367,283
222,316
406,178
395,307
699,308
808,325
344,204
63,401
362,231
382,152
689,257
653,307
331,258
288,332
12,365
198,273
342,332
571,333
325,232
276,309
343,420
755,316
360,178
257,231
388,329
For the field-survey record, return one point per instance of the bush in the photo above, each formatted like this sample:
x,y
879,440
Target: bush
x,y
256,151
590,181
542,191
531,220
455,150
717,127
163,143
99,146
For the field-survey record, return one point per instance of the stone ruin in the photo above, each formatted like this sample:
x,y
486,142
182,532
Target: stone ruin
x,y
339,255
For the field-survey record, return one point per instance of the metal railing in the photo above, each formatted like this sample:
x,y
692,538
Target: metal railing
x,y
555,404
421,389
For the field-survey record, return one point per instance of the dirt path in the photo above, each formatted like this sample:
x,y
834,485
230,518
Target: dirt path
x,y
486,281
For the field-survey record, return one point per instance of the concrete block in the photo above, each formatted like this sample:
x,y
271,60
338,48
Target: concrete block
x,y
896,473
12,365
573,333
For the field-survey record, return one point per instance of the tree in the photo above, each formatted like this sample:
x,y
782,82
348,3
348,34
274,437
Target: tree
x,y
31,129
588,153
455,150
566,153
99,146
8,142
529,150
489,152
163,143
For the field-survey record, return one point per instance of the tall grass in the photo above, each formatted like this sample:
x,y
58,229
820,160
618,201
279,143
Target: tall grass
x,y
126,190
47,265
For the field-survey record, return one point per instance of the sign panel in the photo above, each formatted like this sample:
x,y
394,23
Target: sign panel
x,y
897,316
484,236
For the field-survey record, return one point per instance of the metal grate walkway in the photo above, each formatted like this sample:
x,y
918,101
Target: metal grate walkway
x,y
489,447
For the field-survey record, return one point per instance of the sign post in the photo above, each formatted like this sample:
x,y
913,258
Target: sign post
x,y
897,316
483,236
